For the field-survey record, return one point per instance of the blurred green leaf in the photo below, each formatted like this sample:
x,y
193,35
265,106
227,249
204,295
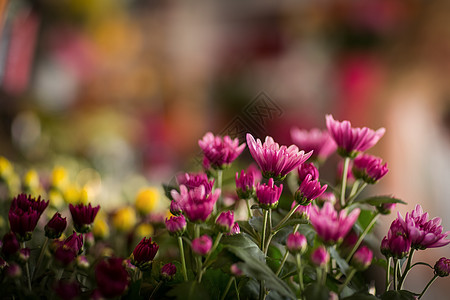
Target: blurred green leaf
x,y
398,295
316,291
378,200
361,296
342,264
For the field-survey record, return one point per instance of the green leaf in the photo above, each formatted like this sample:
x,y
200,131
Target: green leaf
x,y
398,295
342,264
378,200
254,263
316,291
256,222
361,296
248,229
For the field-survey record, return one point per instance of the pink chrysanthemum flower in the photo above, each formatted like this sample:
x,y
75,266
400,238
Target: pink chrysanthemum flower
x,y
330,226
275,161
397,243
350,141
305,169
316,140
245,184
369,168
202,245
268,194
193,180
309,190
422,232
196,204
220,152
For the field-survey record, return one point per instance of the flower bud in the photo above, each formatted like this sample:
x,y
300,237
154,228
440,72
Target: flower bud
x,y
235,270
245,185
384,248
362,258
82,262
56,226
175,208
442,267
320,256
10,244
168,271
268,194
305,169
235,229
296,243
309,190
13,271
202,245
225,221
144,253
176,225
24,255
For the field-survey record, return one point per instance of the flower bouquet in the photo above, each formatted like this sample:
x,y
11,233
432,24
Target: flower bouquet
x,y
280,232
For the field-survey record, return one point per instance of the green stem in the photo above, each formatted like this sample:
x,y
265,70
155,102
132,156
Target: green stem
x,y
286,218
27,268
408,267
263,233
227,288
286,254
354,188
41,257
237,290
347,280
249,211
271,234
362,236
395,273
344,180
198,259
59,274
219,185
298,260
428,285
183,261
360,189
156,288
388,271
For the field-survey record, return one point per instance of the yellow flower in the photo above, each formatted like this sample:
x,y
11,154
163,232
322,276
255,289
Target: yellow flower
x,y
147,200
124,219
56,199
72,194
31,180
100,228
59,177
144,230
6,168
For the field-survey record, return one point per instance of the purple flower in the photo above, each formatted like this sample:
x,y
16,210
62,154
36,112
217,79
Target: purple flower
x,y
320,256
307,169
296,243
56,226
275,161
442,267
303,211
309,190
112,277
225,221
398,241
369,168
196,204
220,152
350,140
144,253
202,245
316,140
362,258
194,180
422,232
69,249
268,194
83,216
67,289
168,271
176,225
245,185
24,214
10,244
235,229
330,226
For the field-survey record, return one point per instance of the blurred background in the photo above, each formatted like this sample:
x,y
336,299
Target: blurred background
x,y
117,93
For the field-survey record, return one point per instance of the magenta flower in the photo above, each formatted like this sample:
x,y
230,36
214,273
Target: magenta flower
x,y
10,244
442,267
24,203
384,247
176,225
13,271
168,271
245,185
225,221
194,180
235,270
422,232
330,226
316,140
56,226
196,204
235,229
362,258
275,161
144,253
369,168
351,140
202,245
268,194
112,277
303,211
307,169
175,208
69,249
309,190
398,242
220,152
320,256
296,243
83,216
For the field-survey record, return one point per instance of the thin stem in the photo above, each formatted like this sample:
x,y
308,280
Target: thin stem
x,y
360,189
388,271
408,267
271,234
41,257
262,290
156,288
198,259
354,188
298,260
263,233
286,254
219,185
237,290
395,273
27,268
205,263
227,288
183,261
286,218
249,211
344,180
59,274
347,280
428,285
362,236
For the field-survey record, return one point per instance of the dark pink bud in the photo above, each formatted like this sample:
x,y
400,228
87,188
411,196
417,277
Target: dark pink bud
x,y
309,190
194,180
168,271
144,253
296,243
10,244
320,256
220,152
245,185
369,168
83,216
176,225
55,227
442,267
384,248
235,270
112,277
307,169
225,221
202,245
362,258
268,194
13,271
175,208
235,229
24,255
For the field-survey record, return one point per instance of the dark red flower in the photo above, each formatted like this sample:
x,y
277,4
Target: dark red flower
x,y
83,216
56,226
67,289
112,277
10,244
67,250
144,253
